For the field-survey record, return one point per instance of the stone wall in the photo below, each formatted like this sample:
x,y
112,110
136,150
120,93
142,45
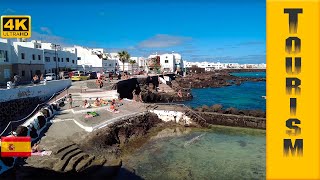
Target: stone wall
x,y
17,103
17,109
206,119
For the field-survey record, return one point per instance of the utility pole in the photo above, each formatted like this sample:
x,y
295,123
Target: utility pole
x,y
56,57
55,54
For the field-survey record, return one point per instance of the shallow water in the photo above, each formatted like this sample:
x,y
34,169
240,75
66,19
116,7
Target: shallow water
x,y
218,153
245,96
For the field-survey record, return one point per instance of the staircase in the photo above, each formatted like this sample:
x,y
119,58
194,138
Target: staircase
x,y
72,159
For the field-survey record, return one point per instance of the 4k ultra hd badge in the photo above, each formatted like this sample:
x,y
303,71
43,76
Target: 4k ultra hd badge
x,y
15,26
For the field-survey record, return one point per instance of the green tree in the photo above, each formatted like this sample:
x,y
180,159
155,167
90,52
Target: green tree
x,y
132,62
124,56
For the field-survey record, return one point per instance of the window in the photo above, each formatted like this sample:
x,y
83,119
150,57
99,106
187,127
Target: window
x,y
79,58
7,73
54,59
58,59
4,55
33,57
22,73
109,64
22,55
72,61
61,59
47,59
39,57
67,59
166,61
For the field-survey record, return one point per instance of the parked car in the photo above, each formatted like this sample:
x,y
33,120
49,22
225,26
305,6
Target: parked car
x,y
50,76
79,77
64,75
93,75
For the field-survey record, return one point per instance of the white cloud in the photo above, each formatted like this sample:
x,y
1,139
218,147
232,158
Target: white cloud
x,y
9,11
163,41
46,30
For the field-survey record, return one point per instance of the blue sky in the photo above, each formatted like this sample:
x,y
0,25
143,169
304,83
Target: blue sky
x,y
201,30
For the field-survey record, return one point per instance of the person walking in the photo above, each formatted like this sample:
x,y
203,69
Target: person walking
x,y
70,101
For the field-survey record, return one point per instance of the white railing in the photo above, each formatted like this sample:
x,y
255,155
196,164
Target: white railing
x,y
33,112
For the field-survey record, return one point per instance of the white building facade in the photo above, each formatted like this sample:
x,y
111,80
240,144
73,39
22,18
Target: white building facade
x,y
170,62
94,59
211,66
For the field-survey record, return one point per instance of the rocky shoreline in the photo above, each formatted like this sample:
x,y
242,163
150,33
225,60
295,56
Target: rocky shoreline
x,y
215,79
99,154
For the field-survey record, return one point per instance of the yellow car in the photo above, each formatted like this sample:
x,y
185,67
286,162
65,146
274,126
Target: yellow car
x,y
79,77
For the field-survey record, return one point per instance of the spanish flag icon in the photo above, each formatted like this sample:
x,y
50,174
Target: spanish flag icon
x,y
15,146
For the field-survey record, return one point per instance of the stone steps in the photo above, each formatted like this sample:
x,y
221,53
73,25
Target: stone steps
x,y
62,154
63,163
84,163
57,151
74,161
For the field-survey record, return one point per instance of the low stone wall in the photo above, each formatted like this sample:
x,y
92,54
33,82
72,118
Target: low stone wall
x,y
18,103
229,120
17,109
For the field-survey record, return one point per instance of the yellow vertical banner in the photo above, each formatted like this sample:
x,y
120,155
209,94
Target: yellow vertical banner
x,y
293,81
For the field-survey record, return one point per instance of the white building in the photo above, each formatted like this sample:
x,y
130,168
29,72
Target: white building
x,y
211,66
138,65
29,58
5,61
51,55
93,59
170,62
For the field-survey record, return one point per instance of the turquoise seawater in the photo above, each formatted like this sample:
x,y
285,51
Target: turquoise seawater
x,y
250,74
218,153
245,96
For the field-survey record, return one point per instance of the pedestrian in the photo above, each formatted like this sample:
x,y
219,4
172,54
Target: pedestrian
x,y
41,77
16,79
35,79
70,101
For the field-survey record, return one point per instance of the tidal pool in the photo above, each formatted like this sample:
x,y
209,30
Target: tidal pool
x,y
186,153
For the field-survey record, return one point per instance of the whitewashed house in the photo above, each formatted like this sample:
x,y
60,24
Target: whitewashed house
x,y
5,61
170,62
93,59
